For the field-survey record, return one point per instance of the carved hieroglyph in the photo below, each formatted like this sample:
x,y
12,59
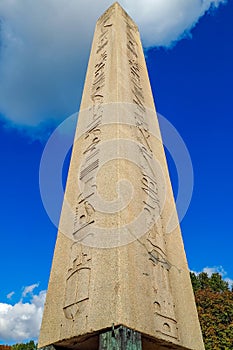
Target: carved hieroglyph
x,y
114,261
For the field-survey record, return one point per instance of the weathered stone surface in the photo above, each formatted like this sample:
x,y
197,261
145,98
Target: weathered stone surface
x,y
114,262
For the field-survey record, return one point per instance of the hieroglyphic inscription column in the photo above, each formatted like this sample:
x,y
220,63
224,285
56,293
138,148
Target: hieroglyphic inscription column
x,y
114,262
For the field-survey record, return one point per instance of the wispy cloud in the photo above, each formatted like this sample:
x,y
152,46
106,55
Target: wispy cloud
x,y
29,289
215,269
45,46
229,281
21,321
10,295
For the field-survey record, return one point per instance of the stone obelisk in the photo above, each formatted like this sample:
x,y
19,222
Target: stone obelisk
x,y
119,269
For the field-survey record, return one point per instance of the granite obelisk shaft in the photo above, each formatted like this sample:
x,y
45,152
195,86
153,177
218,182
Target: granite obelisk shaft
x,y
115,261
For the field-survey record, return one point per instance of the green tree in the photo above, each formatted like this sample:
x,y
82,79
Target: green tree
x,y
217,284
31,345
214,283
215,310
204,280
195,281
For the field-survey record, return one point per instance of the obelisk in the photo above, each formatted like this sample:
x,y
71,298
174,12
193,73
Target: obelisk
x,y
117,269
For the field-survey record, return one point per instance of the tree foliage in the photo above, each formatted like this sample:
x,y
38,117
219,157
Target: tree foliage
x,y
31,345
215,310
215,283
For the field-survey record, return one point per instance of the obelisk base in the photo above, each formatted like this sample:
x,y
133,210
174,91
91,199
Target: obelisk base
x,y
121,338
117,338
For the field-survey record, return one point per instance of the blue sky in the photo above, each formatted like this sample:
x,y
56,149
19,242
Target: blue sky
x,y
192,87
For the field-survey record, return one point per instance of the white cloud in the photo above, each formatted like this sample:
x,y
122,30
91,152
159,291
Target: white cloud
x,y
215,269
29,289
229,281
10,295
21,321
162,22
45,46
